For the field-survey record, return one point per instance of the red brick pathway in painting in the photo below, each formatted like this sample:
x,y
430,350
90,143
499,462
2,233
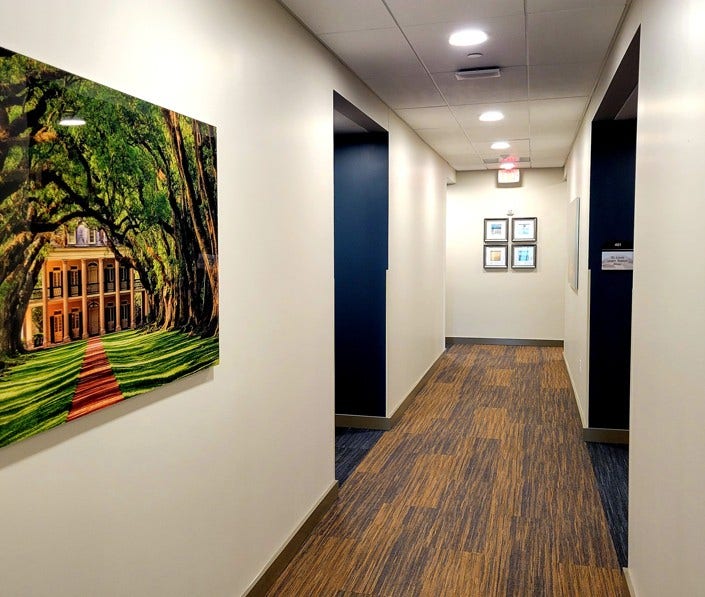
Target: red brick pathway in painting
x,y
97,386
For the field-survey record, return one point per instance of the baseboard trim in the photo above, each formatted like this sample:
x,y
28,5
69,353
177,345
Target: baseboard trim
x,y
606,436
630,584
451,340
386,423
363,422
408,401
583,416
277,565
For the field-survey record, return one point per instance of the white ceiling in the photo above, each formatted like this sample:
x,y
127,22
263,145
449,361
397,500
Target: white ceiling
x,y
549,52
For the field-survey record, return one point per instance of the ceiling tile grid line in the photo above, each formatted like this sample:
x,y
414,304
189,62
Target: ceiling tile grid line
x,y
549,52
469,140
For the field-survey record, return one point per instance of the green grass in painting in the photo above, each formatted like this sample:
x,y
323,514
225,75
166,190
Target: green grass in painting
x,y
142,360
36,392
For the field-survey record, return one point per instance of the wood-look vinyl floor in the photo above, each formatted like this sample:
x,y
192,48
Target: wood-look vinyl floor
x,y
484,488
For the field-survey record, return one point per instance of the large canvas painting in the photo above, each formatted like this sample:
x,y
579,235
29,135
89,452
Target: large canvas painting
x,y
108,246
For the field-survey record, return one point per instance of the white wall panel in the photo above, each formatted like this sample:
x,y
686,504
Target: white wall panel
x,y
192,489
505,304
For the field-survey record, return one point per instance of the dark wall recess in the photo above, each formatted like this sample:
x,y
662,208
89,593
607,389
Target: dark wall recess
x,y
361,222
612,175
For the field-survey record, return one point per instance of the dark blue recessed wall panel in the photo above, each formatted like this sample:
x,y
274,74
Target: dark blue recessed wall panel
x,y
612,175
361,259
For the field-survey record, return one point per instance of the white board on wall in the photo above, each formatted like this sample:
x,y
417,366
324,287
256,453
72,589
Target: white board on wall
x,y
573,229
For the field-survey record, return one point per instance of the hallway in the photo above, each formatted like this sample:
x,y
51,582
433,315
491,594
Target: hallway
x,y
484,488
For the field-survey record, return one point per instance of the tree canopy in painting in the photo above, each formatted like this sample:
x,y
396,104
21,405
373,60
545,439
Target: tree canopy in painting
x,y
143,174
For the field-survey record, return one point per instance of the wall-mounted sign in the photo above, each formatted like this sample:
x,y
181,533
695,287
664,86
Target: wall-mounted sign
x,y
618,256
509,177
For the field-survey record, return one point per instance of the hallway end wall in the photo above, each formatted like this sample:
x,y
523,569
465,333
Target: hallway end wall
x,y
505,303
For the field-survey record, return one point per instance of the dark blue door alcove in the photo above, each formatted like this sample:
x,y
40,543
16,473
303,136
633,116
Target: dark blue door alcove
x,y
361,255
612,175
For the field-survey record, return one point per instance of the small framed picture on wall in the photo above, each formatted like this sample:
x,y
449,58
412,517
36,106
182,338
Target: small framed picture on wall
x,y
496,230
495,257
523,256
524,230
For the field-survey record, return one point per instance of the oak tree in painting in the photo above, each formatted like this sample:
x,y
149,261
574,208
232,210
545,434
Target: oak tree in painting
x,y
144,177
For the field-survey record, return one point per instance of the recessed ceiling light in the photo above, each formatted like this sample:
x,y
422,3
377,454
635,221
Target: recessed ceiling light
x,y
500,145
508,166
475,55
491,116
467,37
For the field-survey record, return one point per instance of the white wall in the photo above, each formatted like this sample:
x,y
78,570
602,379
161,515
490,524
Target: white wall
x,y
416,276
578,176
506,303
667,466
667,449
192,489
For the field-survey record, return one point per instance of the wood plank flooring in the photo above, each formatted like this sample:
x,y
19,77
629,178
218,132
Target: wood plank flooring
x,y
484,488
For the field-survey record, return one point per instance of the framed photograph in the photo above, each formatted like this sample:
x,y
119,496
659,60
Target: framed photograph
x,y
115,291
496,230
524,230
495,257
523,256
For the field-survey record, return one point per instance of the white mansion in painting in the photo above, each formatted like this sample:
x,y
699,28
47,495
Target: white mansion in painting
x,y
82,291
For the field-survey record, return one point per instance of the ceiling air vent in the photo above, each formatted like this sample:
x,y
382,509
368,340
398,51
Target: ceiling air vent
x,y
469,74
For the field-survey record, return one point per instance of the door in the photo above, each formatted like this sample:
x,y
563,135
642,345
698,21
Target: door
x,y
56,324
93,319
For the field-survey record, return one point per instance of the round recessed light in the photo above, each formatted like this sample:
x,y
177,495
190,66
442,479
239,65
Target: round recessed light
x,y
508,165
467,37
491,116
500,145
475,55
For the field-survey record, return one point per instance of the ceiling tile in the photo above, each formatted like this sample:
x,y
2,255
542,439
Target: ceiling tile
x,y
571,35
506,45
519,147
514,126
428,118
510,86
562,80
556,143
548,158
463,161
374,53
555,162
423,12
447,140
552,5
555,110
554,127
399,91
324,16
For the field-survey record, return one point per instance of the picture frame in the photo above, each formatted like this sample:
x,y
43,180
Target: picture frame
x,y
496,230
523,256
495,257
524,230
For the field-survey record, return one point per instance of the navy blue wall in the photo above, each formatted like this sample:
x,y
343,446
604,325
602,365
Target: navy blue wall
x,y
612,174
361,258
